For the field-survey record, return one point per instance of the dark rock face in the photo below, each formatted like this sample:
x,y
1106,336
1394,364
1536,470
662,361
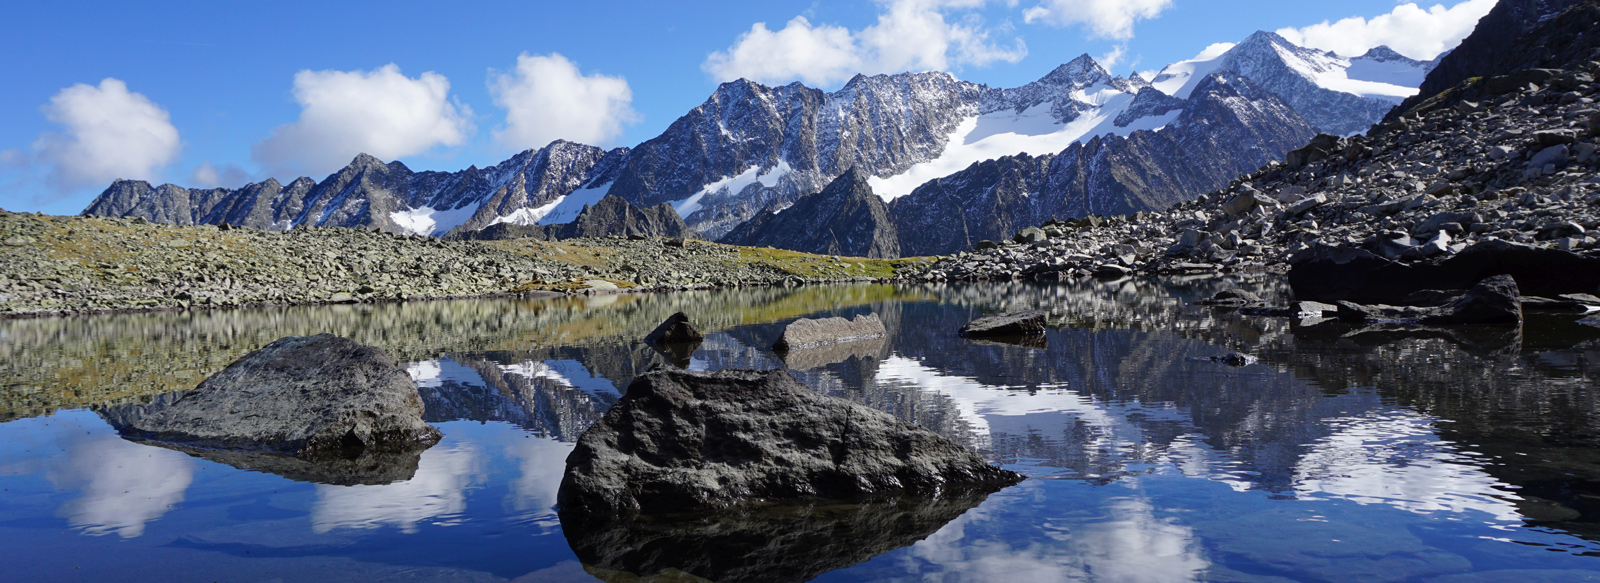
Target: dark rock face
x,y
1230,126
1493,301
685,442
807,333
1327,273
1491,48
845,218
675,330
611,216
300,395
1010,324
772,544
675,339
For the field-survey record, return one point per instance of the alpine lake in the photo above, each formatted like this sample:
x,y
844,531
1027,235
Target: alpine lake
x,y
1337,454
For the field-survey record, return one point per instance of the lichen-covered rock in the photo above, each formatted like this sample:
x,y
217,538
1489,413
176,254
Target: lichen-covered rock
x,y
681,442
806,333
1030,323
300,395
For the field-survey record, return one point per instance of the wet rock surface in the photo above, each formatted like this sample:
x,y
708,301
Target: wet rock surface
x,y
1011,324
790,542
1493,301
685,442
675,330
807,333
309,396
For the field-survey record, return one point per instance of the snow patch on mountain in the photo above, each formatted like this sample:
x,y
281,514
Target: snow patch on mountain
x,y
1004,133
733,185
430,221
566,208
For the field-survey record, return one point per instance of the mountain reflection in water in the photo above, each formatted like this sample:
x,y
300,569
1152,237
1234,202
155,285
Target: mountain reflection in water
x,y
1345,453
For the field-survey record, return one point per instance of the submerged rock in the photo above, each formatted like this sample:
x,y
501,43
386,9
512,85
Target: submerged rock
x,y
807,333
770,544
1230,298
1029,323
300,395
1234,359
682,442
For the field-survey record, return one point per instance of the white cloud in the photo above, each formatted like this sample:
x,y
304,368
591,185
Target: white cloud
x,y
1408,29
1213,51
1111,19
1113,56
381,112
208,175
909,35
547,98
108,133
438,489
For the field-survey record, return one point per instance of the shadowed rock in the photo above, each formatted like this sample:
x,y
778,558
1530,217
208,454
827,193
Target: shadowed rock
x,y
675,339
684,442
775,543
300,395
1493,301
372,468
807,333
1029,323
1327,273
676,329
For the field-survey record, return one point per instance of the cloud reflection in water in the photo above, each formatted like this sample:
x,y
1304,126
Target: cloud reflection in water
x,y
124,484
438,490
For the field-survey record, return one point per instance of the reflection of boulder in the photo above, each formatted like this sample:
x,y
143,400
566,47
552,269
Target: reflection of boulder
x,y
302,395
680,441
788,542
806,333
825,355
370,467
1010,324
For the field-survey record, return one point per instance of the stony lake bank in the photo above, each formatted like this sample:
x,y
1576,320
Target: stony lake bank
x,y
52,265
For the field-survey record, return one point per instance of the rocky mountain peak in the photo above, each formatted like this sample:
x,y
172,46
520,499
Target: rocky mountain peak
x,y
1384,54
1080,72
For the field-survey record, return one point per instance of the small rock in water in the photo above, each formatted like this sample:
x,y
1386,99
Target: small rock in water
x,y
675,329
1231,298
684,442
1234,359
808,333
1028,323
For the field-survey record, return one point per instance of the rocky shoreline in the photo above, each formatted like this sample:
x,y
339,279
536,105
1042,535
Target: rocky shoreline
x,y
1510,158
55,265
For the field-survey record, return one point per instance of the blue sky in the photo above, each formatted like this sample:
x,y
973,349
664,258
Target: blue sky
x,y
220,92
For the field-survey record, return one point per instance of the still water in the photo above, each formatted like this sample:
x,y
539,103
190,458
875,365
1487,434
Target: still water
x,y
1342,455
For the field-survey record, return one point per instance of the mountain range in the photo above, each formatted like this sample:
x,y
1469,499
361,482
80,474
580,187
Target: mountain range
x,y
972,160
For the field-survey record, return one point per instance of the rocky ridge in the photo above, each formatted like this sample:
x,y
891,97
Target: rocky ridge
x,y
611,216
1509,158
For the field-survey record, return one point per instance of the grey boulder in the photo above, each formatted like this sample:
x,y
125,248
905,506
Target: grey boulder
x,y
1030,323
676,329
300,395
1493,301
807,333
681,442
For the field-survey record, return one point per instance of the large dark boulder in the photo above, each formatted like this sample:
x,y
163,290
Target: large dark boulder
x,y
770,544
1329,273
301,395
684,442
1493,301
1010,324
676,329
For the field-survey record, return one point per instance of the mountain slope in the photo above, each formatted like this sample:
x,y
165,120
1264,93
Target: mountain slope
x,y
1229,127
611,216
1337,95
845,218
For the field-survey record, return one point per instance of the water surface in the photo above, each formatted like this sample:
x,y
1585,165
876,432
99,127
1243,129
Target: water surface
x,y
1344,454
